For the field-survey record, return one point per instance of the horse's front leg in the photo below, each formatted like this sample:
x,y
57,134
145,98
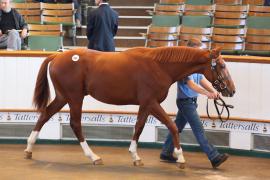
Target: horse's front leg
x,y
161,115
75,123
141,119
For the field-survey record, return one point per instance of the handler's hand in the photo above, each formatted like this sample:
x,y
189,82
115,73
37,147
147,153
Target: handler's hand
x,y
212,95
217,94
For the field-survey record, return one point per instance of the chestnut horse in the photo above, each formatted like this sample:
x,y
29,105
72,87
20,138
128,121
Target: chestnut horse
x,y
139,76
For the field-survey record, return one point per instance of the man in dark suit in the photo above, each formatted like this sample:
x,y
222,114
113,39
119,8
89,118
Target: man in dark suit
x,y
267,2
102,26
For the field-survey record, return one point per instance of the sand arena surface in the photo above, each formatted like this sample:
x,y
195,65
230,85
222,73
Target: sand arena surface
x,y
68,162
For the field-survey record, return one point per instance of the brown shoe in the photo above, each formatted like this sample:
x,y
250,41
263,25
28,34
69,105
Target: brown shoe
x,y
219,160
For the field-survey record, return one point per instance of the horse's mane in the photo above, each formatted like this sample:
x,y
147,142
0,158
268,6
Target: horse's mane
x,y
176,54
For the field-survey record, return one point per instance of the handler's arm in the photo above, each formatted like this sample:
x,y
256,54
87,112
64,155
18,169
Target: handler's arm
x,y
195,87
208,86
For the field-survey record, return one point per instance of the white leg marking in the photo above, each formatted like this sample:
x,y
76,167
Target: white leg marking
x,y
133,151
179,155
88,152
31,141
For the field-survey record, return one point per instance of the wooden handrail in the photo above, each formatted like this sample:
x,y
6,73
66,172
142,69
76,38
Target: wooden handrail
x,y
247,59
26,53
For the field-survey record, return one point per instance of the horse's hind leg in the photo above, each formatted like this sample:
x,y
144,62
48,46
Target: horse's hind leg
x,y
75,123
161,115
141,119
53,108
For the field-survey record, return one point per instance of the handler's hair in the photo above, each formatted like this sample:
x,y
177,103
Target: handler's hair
x,y
193,42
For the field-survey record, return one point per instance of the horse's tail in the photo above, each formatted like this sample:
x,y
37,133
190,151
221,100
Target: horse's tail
x,y
42,90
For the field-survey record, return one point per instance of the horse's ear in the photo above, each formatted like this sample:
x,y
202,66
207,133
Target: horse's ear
x,y
215,52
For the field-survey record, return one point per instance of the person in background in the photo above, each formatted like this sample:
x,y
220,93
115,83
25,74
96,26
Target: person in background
x,y
267,2
187,93
13,28
102,26
78,13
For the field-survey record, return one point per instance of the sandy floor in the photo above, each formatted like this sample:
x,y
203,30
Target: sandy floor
x,y
68,162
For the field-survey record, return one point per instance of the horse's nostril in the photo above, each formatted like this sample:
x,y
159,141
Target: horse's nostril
x,y
232,93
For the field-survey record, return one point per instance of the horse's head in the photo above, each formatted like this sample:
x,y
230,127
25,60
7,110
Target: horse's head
x,y
219,75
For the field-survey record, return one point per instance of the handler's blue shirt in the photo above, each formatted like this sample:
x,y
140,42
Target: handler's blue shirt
x,y
183,90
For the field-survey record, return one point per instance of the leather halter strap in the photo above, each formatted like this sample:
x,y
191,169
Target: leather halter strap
x,y
220,102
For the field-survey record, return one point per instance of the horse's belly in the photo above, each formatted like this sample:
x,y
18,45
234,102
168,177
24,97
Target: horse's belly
x,y
113,94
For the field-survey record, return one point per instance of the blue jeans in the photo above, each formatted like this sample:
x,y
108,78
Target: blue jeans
x,y
187,112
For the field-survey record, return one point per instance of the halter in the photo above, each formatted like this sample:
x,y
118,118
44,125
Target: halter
x,y
218,84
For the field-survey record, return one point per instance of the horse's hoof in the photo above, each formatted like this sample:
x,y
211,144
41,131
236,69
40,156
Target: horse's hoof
x,y
98,162
28,155
181,165
138,163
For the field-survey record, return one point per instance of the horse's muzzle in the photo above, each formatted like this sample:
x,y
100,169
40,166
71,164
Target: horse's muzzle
x,y
232,93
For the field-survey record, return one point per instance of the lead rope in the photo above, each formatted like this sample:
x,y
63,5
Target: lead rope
x,y
219,102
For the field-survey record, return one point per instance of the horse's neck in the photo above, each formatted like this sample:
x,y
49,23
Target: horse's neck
x,y
178,71
179,64
175,54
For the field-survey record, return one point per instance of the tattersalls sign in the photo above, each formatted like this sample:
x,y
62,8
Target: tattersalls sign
x,y
240,126
64,117
232,125
130,119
